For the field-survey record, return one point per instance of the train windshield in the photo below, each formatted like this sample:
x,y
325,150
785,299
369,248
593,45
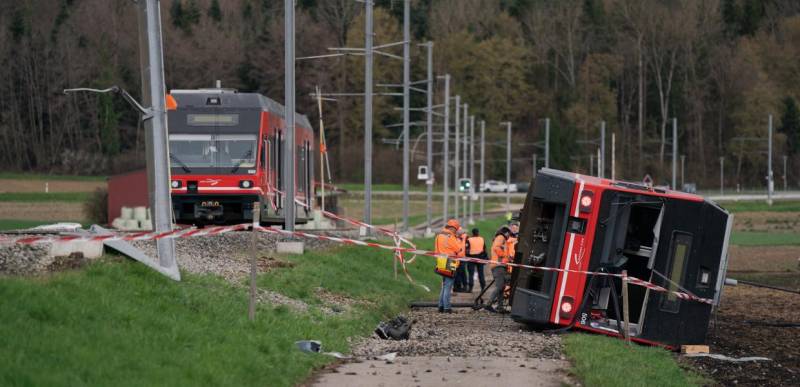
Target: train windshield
x,y
226,151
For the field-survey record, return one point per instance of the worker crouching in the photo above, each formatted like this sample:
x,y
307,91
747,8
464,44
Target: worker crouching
x,y
499,257
449,246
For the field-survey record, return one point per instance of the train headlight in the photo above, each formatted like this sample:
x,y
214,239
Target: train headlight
x,y
586,201
176,184
567,307
246,184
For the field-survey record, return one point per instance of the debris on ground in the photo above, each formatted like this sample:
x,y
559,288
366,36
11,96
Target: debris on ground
x,y
398,328
314,346
718,356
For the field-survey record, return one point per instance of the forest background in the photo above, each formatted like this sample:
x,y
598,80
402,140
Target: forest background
x,y
719,66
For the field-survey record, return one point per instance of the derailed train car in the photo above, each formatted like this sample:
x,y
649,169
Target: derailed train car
x,y
583,223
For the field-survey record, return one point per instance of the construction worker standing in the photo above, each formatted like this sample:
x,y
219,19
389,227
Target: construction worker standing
x,y
475,248
460,284
449,245
499,255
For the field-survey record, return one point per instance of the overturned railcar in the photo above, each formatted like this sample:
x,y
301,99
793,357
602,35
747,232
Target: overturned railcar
x,y
574,222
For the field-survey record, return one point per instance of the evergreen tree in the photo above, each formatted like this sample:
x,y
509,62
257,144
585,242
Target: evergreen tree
x,y
730,16
790,125
214,11
176,14
752,14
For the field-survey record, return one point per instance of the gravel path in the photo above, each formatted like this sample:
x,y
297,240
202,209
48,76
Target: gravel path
x,y
477,348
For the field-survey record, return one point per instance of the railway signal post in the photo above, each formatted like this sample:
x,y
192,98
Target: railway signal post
x,y
446,149
429,125
483,159
368,114
406,106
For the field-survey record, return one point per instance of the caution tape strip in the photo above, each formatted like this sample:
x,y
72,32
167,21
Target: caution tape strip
x,y
397,249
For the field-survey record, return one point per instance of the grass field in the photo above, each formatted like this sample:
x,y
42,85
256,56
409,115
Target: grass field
x,y
603,361
119,323
14,224
761,206
45,177
755,238
40,197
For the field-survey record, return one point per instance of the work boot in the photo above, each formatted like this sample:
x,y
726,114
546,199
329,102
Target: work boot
x,y
448,311
441,309
490,308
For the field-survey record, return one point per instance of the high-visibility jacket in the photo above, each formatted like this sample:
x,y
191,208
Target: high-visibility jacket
x,y
499,252
477,246
448,244
511,248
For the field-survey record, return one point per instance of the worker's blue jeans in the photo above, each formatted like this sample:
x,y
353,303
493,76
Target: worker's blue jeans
x,y
447,291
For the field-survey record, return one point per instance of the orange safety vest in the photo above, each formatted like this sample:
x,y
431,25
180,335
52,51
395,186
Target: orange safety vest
x,y
511,249
499,250
448,244
476,245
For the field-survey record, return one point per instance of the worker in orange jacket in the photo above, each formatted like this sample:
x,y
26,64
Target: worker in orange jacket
x,y
447,243
475,248
499,254
511,243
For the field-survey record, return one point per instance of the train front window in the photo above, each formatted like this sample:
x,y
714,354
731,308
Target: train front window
x,y
227,151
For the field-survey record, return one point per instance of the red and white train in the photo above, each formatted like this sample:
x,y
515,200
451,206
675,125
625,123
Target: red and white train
x,y
226,152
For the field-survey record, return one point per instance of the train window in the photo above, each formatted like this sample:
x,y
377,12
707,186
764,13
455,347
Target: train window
x,y
263,155
212,119
679,255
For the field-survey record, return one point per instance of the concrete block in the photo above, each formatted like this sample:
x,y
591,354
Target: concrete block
x,y
290,247
89,249
126,213
140,213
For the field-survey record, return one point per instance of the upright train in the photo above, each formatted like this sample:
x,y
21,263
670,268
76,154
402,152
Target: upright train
x,y
676,240
226,152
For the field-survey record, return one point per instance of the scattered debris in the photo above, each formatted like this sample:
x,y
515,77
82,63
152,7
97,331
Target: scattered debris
x,y
727,358
314,346
398,328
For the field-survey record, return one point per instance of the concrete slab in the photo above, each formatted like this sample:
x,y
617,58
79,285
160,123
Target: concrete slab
x,y
89,249
290,247
448,371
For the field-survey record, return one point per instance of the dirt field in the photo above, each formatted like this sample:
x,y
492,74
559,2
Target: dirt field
x,y
767,221
758,259
15,185
63,212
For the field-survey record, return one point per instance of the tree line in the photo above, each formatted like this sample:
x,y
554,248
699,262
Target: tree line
x,y
720,67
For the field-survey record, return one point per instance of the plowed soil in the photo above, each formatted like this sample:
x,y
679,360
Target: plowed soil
x,y
18,185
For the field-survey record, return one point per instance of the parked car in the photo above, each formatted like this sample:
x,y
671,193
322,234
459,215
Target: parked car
x,y
497,186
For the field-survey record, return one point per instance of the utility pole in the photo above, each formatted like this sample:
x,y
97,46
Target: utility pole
x,y
533,174
151,55
446,150
472,168
785,185
483,160
406,106
683,170
674,154
289,116
367,114
429,125
465,172
613,156
547,143
721,175
599,167
508,165
770,183
456,175
602,159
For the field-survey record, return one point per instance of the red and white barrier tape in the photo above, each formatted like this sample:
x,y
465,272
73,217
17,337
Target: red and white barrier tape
x,y
397,249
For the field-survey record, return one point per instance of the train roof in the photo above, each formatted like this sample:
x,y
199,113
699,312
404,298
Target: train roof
x,y
232,98
622,185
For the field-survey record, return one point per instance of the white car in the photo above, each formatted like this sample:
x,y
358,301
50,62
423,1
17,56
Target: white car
x,y
497,186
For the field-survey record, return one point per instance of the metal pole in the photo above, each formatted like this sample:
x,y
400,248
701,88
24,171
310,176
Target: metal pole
x,y
602,159
613,156
533,174
683,170
446,150
289,116
674,153
508,166
456,175
770,183
785,185
472,168
722,175
599,167
465,157
156,131
368,114
483,159
322,150
251,310
406,86
429,116
547,143
591,164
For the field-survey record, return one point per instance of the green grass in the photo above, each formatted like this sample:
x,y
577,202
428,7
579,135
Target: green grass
x,y
38,197
761,238
42,176
761,206
603,361
119,323
789,279
380,187
14,224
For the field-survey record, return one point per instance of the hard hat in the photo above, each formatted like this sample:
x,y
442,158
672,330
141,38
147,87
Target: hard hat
x,y
454,224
